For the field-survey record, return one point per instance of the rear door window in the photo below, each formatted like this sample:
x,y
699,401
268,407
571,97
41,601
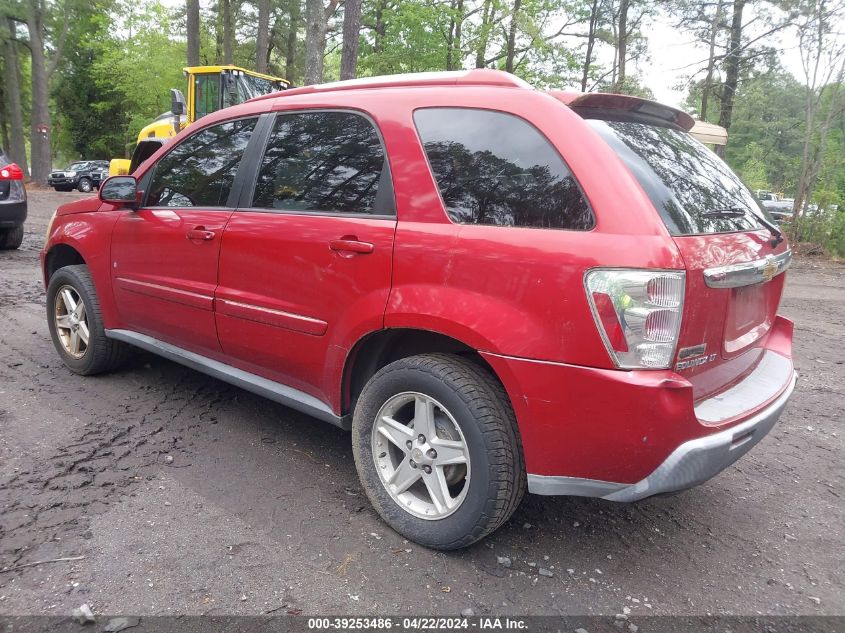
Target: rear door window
x,y
331,162
687,183
497,169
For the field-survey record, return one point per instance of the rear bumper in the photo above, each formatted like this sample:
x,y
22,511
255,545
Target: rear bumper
x,y
12,213
625,435
691,464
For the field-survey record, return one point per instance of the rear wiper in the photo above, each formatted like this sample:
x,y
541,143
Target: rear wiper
x,y
738,212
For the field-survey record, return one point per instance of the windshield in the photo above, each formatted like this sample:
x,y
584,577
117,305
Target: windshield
x,y
245,87
78,166
687,183
237,88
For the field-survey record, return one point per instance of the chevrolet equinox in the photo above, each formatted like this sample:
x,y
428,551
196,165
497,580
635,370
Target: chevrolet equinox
x,y
495,288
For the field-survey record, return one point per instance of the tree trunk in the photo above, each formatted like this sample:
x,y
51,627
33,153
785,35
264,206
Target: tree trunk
x,y
381,27
193,28
511,46
16,144
450,38
42,160
4,127
622,46
290,47
815,143
454,59
732,60
484,38
4,115
591,42
262,38
315,41
711,61
218,34
351,34
457,44
228,32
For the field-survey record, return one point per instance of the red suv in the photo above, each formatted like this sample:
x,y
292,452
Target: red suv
x,y
492,286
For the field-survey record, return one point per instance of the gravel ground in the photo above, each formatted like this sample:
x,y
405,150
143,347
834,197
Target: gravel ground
x,y
260,509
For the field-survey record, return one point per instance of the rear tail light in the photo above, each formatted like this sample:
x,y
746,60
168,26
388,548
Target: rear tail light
x,y
11,172
638,314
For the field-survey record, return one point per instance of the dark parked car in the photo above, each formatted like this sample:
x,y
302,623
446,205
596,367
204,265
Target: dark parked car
x,y
494,288
84,175
12,204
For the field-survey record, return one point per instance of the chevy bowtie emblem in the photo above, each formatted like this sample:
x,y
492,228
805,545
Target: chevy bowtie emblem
x,y
770,268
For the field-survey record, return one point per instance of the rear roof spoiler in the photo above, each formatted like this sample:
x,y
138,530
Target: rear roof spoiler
x,y
602,103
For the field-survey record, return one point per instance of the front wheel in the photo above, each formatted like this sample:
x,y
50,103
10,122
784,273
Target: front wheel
x,y
76,325
85,185
437,450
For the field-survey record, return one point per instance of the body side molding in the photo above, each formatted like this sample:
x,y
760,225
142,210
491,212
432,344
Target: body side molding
x,y
275,391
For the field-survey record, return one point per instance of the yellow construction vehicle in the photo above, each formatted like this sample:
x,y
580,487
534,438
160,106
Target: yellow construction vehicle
x,y
209,88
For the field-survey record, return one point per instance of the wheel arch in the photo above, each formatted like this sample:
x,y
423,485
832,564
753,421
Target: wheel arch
x,y
382,347
59,256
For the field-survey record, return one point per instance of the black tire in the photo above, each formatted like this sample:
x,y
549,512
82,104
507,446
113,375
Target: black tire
x,y
84,185
12,238
480,406
101,354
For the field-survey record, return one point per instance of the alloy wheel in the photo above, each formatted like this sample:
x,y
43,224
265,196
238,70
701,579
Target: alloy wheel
x,y
71,321
421,455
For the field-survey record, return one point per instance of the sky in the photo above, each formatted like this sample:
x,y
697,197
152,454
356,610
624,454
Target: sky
x,y
673,54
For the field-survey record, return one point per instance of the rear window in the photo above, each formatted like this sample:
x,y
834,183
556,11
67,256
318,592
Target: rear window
x,y
687,183
497,169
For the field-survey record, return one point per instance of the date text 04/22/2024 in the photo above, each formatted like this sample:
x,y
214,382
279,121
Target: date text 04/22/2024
x,y
418,623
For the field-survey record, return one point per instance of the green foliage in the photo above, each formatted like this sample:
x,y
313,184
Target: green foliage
x,y
414,39
144,65
89,120
766,137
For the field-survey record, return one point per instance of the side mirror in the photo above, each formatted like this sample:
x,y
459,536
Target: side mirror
x,y
122,190
177,102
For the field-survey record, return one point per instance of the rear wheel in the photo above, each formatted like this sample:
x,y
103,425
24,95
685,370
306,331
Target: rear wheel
x,y
76,325
11,238
437,450
84,185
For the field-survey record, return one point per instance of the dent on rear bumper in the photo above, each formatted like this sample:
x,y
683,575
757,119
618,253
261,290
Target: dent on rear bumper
x,y
691,464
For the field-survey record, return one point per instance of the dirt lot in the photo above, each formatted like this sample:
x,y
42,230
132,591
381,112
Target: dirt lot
x,y
260,509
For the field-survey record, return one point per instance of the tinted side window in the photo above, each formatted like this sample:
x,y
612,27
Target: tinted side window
x,y
322,161
199,172
495,168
